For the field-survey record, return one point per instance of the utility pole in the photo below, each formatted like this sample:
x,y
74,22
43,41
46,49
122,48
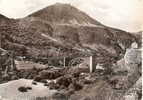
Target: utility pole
x,y
91,64
64,62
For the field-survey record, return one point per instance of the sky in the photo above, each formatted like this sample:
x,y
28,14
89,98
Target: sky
x,y
123,14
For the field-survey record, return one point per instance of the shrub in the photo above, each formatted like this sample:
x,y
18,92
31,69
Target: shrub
x,y
22,89
34,83
29,88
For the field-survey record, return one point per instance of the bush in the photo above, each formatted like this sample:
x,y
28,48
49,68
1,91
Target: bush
x,y
43,81
37,79
29,88
34,83
22,89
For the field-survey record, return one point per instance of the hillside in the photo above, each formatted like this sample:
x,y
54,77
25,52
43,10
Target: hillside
x,y
62,29
2,17
76,29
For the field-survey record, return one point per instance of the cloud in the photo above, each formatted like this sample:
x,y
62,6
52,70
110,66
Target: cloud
x,y
123,14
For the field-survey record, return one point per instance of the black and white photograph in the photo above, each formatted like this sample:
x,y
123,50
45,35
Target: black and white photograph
x,y
71,49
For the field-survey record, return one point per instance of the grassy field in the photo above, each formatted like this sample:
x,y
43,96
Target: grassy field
x,y
29,65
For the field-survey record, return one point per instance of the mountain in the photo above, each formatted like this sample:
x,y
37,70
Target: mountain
x,y
64,13
3,19
73,27
62,29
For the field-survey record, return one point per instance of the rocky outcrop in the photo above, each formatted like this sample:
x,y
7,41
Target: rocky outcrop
x,y
133,62
135,92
